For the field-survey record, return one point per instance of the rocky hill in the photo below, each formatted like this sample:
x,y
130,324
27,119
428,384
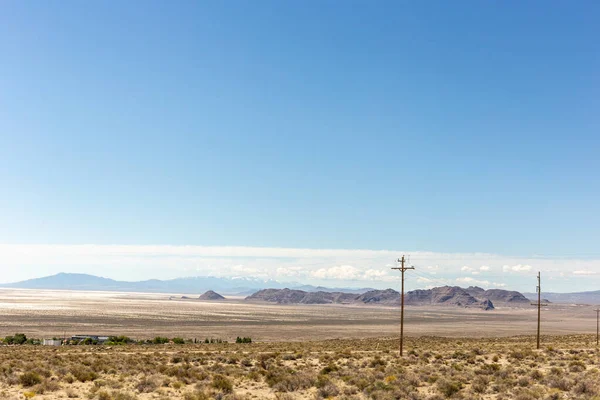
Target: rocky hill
x,y
472,297
292,296
499,296
211,295
445,295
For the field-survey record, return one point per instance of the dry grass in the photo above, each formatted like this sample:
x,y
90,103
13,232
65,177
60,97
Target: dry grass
x,y
434,368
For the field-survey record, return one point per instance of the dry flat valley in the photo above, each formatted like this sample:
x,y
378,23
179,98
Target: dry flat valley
x,y
48,313
298,351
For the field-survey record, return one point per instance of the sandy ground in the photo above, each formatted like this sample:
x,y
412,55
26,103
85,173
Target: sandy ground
x,y
47,313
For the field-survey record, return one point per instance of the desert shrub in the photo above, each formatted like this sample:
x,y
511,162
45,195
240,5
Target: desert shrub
x,y
147,385
103,395
526,395
246,362
84,374
329,369
123,396
329,390
47,385
29,379
69,378
448,388
178,340
480,384
177,385
376,362
563,384
243,340
222,383
577,366
160,340
196,395
587,386
523,381
289,382
536,374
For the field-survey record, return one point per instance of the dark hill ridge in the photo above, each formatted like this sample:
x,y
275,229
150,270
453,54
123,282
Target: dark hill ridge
x,y
472,297
498,296
292,296
211,295
445,295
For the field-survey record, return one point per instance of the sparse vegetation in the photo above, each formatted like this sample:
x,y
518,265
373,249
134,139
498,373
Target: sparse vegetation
x,y
433,369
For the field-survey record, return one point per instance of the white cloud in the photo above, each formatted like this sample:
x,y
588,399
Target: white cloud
x,y
350,273
484,268
465,268
469,280
475,273
472,281
516,268
372,274
584,272
289,272
342,272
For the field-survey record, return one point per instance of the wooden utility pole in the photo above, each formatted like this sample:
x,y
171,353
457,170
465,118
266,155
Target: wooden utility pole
x,y
597,325
402,269
539,307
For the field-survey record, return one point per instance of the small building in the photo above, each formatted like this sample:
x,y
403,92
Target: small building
x,y
52,342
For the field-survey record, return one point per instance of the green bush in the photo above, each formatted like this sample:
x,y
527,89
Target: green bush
x,y
178,340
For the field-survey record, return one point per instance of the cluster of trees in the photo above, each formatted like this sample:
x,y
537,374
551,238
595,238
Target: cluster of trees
x,y
119,340
163,340
243,340
19,338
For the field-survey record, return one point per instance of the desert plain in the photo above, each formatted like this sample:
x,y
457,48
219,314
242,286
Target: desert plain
x,y
298,351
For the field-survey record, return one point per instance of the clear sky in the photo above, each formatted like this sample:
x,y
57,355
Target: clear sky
x,y
446,128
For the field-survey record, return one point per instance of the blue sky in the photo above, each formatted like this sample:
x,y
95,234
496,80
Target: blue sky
x,y
436,127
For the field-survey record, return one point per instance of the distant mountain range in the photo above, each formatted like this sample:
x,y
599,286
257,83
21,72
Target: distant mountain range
x,y
592,297
230,286
471,297
297,293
